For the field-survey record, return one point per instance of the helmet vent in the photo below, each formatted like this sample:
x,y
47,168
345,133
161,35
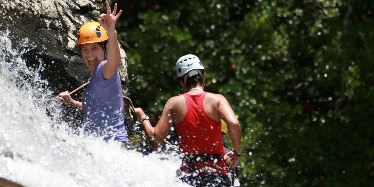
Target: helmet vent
x,y
98,34
91,32
187,63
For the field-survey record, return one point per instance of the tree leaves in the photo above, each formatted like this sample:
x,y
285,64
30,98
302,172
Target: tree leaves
x,y
297,73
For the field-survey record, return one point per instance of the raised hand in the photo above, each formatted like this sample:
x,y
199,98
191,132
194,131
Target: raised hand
x,y
108,20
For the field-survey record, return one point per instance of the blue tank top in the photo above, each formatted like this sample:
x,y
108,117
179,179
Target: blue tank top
x,y
103,107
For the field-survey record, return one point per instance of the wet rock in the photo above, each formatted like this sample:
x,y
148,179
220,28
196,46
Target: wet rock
x,y
50,26
8,183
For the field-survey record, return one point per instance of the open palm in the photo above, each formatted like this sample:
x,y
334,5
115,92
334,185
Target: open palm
x,y
108,20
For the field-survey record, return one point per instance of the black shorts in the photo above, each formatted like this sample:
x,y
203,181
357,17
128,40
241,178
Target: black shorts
x,y
196,177
206,179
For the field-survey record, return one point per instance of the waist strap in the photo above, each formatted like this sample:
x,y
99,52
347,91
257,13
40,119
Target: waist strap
x,y
204,163
202,157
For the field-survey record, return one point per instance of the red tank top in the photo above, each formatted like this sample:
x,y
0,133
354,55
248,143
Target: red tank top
x,y
198,133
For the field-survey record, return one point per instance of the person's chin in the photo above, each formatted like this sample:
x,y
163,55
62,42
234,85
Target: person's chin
x,y
93,67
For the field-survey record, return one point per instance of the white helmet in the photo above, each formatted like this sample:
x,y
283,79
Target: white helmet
x,y
187,63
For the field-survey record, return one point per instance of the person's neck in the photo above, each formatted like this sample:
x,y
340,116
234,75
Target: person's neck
x,y
199,88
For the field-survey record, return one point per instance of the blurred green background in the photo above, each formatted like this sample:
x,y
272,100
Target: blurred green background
x,y
298,74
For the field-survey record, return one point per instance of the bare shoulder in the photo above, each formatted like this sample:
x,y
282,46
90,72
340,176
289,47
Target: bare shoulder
x,y
175,100
214,97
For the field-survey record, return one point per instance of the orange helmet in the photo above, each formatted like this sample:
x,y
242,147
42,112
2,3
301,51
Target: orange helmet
x,y
92,32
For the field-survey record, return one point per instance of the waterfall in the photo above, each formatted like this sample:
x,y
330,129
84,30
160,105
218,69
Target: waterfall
x,y
37,148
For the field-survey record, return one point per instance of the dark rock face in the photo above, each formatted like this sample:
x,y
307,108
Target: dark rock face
x,y
8,183
50,27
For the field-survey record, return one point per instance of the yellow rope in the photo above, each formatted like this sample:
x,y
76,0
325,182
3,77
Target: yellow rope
x,y
80,87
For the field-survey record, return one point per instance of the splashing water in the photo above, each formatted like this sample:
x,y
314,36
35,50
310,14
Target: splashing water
x,y
37,149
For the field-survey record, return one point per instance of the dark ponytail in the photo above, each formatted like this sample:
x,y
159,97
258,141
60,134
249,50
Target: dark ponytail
x,y
194,80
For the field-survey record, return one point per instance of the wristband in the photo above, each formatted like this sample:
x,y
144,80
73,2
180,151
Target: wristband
x,y
144,117
236,153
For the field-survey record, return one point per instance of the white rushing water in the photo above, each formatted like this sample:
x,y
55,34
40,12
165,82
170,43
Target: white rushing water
x,y
37,149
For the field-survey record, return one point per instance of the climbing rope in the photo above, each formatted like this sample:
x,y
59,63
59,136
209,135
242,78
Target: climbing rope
x,y
80,87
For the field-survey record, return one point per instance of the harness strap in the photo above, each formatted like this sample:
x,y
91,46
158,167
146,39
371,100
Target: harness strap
x,y
202,157
204,163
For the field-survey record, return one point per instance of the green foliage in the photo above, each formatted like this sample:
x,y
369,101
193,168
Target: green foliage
x,y
297,73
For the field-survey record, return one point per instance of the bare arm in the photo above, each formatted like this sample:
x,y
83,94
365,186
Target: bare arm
x,y
108,21
232,122
162,129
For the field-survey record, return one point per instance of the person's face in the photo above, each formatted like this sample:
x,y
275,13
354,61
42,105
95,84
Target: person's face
x,y
92,55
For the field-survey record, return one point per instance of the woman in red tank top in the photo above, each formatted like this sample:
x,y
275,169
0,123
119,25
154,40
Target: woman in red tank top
x,y
197,117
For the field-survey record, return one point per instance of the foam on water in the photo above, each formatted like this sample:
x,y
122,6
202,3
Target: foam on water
x,y
37,150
